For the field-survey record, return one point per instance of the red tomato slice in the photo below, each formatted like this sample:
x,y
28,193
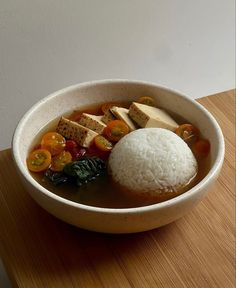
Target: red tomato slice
x,y
70,145
78,152
201,148
94,151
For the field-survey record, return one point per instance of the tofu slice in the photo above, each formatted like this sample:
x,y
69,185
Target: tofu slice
x,y
122,114
72,130
107,117
92,122
148,116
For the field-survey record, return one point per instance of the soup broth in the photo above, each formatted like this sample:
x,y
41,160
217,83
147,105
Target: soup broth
x,y
103,192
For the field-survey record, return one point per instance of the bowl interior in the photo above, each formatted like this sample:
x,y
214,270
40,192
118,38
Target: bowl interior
x,y
76,96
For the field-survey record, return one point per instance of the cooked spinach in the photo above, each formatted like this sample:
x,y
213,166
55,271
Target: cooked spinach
x,y
85,170
56,178
80,171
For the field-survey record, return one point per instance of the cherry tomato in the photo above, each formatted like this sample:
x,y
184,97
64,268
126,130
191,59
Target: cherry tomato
x,y
188,133
70,145
146,100
102,143
115,130
39,160
75,150
60,160
201,148
94,151
53,142
107,106
78,152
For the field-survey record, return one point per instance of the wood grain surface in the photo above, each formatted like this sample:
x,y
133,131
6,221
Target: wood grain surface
x,y
196,251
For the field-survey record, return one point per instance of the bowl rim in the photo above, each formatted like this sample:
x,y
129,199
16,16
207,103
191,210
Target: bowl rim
x,y
185,196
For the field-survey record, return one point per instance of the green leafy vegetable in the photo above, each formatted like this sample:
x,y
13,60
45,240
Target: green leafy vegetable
x,y
85,170
79,172
56,178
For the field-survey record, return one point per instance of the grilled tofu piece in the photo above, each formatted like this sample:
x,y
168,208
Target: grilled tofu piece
x,y
92,122
107,117
72,130
122,114
147,116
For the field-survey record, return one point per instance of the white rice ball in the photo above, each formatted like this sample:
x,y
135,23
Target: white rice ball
x,y
152,160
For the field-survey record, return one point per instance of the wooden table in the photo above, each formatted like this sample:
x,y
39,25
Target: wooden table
x,y
196,251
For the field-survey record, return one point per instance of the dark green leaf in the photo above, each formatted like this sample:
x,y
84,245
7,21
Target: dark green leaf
x,y
56,178
85,170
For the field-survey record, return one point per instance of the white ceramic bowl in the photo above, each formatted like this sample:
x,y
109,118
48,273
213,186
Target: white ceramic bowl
x,y
105,219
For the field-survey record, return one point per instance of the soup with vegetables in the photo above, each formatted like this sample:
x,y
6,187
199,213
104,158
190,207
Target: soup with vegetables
x,y
119,155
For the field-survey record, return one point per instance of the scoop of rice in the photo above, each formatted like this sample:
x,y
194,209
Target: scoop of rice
x,y
152,160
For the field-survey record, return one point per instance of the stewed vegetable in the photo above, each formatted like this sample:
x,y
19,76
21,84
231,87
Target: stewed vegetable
x,y
39,160
201,148
115,130
102,143
53,142
59,161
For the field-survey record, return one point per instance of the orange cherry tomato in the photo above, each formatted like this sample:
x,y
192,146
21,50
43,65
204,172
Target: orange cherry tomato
x,y
60,160
146,100
107,106
102,143
39,160
188,133
115,130
53,142
94,151
201,148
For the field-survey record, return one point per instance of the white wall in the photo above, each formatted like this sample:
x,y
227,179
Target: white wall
x,y
45,45
49,44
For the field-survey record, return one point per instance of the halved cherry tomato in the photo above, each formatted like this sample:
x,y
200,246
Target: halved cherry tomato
x,y
70,145
75,150
188,132
53,142
94,151
102,143
146,100
115,130
39,160
60,160
108,106
201,148
78,152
